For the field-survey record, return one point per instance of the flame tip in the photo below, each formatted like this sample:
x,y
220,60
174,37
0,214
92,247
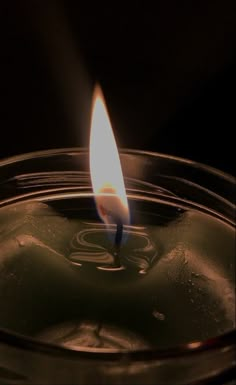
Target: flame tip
x,y
97,93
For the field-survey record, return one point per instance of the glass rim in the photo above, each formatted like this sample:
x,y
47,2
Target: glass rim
x,y
21,341
193,348
64,150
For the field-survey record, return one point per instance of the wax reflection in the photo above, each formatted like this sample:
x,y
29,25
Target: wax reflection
x,y
92,245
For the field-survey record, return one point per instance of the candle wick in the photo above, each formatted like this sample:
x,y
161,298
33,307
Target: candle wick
x,y
118,236
119,233
117,243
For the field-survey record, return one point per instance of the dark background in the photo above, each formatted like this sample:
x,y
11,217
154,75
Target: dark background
x,y
167,69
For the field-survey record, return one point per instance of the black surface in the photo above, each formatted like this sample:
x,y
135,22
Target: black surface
x,y
167,71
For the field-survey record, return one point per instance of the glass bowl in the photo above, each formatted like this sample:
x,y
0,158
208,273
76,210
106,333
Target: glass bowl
x,y
183,276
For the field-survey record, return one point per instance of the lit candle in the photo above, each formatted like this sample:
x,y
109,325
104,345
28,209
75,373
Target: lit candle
x,y
106,173
111,203
89,278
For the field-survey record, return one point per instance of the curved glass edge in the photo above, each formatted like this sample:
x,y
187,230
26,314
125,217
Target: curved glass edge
x,y
76,150
225,341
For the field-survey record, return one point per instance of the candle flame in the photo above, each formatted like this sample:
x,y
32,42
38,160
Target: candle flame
x,y
105,168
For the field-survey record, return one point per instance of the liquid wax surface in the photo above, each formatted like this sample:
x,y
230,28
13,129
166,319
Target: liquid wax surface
x,y
56,283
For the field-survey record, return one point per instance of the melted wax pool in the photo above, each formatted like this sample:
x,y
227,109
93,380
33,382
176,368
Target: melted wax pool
x,y
177,283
